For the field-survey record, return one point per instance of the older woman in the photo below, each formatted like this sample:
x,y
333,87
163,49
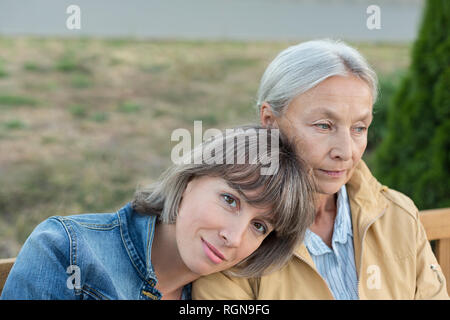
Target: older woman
x,y
366,241
201,217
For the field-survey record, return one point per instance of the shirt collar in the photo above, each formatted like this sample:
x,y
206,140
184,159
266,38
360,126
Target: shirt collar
x,y
342,227
314,244
343,222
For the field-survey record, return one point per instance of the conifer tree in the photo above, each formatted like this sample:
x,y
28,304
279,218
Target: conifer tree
x,y
414,157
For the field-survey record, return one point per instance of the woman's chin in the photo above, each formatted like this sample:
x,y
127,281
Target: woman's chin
x,y
329,188
201,269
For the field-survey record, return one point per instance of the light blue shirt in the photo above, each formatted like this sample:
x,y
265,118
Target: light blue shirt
x,y
337,264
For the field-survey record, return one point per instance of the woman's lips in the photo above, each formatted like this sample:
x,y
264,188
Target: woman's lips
x,y
333,173
213,254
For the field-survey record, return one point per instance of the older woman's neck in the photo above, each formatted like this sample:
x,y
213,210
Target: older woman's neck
x,y
325,203
325,215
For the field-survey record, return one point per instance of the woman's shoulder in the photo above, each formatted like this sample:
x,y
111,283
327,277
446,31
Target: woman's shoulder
x,y
364,183
91,220
51,230
401,202
60,232
66,234
59,229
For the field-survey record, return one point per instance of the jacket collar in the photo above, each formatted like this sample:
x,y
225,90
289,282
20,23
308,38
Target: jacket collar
x,y
137,233
366,199
367,204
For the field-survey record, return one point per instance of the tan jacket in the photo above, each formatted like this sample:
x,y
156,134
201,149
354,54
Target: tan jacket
x,y
393,258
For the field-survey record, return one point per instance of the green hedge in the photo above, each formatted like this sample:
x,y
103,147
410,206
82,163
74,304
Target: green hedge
x,y
378,129
414,154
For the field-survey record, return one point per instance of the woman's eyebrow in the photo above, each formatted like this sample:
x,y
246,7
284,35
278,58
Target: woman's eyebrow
x,y
243,200
368,115
269,217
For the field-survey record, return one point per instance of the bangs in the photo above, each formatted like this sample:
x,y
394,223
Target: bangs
x,y
279,192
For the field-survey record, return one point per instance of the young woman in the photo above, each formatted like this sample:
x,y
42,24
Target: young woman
x,y
201,217
366,241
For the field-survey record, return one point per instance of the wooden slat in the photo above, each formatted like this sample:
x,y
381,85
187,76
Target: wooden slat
x,y
443,256
437,226
436,223
5,266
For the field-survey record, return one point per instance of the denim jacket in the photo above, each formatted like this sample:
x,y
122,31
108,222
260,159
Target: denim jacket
x,y
88,256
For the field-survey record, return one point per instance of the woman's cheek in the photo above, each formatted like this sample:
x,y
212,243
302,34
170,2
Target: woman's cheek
x,y
252,246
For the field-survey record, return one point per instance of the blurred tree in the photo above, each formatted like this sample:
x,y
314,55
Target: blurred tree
x,y
387,85
414,157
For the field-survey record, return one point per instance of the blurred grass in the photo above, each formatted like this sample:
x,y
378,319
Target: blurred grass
x,y
106,112
14,124
9,100
3,72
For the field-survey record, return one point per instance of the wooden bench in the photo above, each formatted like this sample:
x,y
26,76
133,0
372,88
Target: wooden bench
x,y
437,226
5,266
436,223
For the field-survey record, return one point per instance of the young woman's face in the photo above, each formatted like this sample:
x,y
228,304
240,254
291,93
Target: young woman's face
x,y
330,122
215,228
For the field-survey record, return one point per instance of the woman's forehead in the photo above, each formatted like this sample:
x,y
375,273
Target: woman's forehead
x,y
361,112
337,88
331,105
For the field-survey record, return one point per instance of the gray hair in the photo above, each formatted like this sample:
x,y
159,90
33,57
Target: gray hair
x,y
289,192
301,67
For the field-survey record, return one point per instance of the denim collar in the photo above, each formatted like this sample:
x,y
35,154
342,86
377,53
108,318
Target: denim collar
x,y
342,227
137,233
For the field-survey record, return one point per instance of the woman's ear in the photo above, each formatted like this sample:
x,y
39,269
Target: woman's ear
x,y
267,117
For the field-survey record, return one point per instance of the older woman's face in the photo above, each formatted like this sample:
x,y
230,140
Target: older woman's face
x,y
330,123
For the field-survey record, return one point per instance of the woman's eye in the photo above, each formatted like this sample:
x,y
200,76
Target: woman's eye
x,y
360,129
260,227
229,200
324,126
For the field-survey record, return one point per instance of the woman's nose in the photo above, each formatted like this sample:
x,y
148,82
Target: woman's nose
x,y
233,233
342,146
